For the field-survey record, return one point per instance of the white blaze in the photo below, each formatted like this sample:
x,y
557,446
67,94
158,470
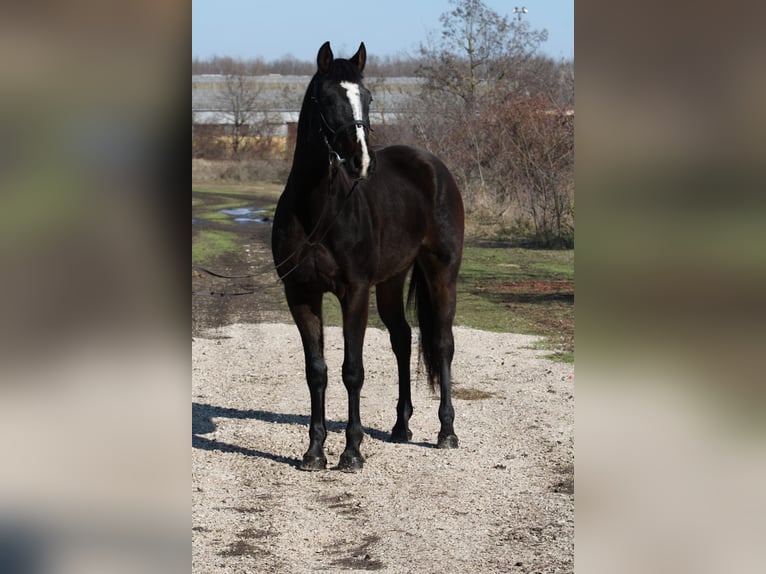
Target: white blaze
x,y
355,99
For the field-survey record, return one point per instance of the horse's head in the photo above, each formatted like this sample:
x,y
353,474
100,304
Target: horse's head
x,y
342,106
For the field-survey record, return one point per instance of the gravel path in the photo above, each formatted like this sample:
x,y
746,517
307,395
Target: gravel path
x,y
502,502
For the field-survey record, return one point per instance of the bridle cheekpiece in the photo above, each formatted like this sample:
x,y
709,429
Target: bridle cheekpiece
x,y
326,130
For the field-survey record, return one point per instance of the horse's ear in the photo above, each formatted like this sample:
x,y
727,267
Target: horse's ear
x,y
324,57
360,58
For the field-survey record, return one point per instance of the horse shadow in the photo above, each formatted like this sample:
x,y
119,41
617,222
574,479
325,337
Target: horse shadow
x,y
202,424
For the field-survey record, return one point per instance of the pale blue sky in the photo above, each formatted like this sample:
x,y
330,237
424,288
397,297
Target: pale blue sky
x,y
274,28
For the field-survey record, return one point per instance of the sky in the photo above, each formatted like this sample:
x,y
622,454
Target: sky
x,y
272,29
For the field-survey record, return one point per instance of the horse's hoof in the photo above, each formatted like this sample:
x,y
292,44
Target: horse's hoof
x,y
350,462
449,441
401,435
312,462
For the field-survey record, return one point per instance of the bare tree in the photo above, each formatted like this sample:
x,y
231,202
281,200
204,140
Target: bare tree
x,y
239,101
496,110
539,165
478,51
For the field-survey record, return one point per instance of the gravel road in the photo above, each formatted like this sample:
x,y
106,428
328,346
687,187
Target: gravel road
x,y
502,502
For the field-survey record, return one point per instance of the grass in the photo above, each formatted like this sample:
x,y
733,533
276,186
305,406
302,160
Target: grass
x,y
520,290
211,243
516,263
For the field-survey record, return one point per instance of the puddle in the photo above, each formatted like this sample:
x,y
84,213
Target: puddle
x,y
247,215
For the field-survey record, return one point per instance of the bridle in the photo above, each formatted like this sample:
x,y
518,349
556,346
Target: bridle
x,y
330,134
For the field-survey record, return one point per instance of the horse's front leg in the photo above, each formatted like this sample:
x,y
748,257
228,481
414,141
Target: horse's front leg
x,y
355,307
306,308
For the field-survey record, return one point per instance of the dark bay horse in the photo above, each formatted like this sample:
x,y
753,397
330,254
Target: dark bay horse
x,y
351,217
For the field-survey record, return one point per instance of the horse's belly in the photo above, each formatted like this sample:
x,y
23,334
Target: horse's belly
x,y
393,262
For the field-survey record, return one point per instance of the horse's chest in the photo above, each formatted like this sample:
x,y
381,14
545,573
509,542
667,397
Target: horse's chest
x,y
326,268
345,252
351,263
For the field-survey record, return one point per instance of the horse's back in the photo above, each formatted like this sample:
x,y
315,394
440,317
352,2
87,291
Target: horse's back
x,y
414,172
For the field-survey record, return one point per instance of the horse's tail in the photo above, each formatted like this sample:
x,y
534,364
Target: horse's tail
x,y
419,297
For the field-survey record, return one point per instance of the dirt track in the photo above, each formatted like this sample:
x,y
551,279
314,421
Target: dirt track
x,y
502,502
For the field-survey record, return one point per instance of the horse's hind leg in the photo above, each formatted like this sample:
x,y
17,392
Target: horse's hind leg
x,y
390,300
306,308
444,301
442,288
447,437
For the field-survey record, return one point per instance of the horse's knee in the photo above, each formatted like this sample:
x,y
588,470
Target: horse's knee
x,y
353,373
316,371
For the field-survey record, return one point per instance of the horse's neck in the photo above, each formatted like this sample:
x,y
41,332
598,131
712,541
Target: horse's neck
x,y
317,193
305,178
310,169
310,157
310,163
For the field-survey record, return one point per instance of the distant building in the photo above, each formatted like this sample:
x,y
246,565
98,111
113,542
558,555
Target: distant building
x,y
279,98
